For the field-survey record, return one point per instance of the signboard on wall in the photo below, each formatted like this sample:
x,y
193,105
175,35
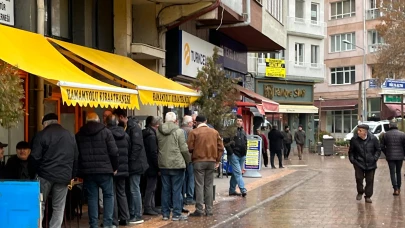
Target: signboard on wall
x,y
286,92
194,53
275,68
392,98
7,12
253,162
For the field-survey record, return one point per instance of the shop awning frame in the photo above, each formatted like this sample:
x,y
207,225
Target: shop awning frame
x,y
268,105
298,109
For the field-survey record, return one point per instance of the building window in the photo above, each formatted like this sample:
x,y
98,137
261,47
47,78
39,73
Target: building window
x,y
342,122
314,13
58,19
299,54
342,75
274,8
343,9
314,55
337,44
374,40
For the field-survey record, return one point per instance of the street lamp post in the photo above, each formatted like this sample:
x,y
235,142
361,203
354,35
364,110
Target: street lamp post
x,y
320,117
361,112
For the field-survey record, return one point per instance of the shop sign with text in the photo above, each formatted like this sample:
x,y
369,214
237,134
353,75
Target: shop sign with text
x,y
275,68
287,92
7,12
166,99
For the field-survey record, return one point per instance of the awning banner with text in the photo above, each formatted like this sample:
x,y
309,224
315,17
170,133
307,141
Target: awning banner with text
x,y
166,99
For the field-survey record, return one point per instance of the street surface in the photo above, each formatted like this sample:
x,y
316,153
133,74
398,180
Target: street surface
x,y
319,191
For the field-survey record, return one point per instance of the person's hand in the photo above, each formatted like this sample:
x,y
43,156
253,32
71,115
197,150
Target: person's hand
x,y
115,172
268,151
216,165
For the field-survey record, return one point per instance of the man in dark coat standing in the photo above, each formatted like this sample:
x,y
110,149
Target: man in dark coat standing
x,y
265,147
364,152
287,142
123,144
137,164
393,146
152,150
54,155
276,146
18,166
98,163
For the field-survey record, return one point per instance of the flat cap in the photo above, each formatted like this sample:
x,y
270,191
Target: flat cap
x,y
363,126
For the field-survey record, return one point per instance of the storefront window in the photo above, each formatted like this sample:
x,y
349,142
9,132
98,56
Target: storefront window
x,y
58,18
374,107
341,122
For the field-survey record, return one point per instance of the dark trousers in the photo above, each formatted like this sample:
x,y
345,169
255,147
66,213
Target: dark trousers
x,y
287,149
204,185
369,176
121,211
150,191
265,157
279,156
395,173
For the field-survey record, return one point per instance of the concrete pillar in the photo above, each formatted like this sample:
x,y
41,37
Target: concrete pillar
x,y
122,27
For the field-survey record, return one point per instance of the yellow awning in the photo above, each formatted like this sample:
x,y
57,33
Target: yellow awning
x,y
32,53
153,88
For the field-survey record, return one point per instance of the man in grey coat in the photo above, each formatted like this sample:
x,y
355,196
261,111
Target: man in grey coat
x,y
393,146
300,137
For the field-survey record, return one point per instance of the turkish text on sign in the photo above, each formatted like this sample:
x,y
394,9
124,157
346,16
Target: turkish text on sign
x,y
98,96
171,98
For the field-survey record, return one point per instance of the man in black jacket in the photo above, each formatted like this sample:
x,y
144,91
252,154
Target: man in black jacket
x,y
123,143
2,162
98,162
151,148
364,152
137,163
276,146
393,146
54,156
18,166
236,149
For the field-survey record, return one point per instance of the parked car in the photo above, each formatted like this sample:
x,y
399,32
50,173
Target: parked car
x,y
376,128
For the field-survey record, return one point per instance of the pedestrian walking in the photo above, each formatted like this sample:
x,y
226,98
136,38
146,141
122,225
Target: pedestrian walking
x,y
300,137
206,147
137,164
265,147
276,146
98,163
123,142
393,146
55,160
236,149
173,159
188,186
364,152
287,142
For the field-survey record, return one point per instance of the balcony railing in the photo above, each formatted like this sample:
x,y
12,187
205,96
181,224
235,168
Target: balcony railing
x,y
373,14
308,27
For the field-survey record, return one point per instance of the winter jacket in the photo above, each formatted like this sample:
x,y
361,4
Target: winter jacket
x,y
98,153
54,154
151,149
393,144
173,150
287,137
205,144
138,162
300,137
123,144
275,140
364,153
2,169
15,167
238,144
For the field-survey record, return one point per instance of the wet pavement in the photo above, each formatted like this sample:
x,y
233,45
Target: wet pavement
x,y
316,192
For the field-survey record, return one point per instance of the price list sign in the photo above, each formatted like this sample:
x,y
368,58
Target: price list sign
x,y
253,155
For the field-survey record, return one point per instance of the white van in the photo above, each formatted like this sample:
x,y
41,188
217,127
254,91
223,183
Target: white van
x,y
375,127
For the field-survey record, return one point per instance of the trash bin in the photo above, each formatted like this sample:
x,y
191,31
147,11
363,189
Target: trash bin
x,y
327,144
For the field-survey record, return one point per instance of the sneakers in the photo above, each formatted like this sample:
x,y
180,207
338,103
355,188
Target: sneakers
x,y
235,194
196,214
358,197
165,218
244,194
368,200
136,221
179,218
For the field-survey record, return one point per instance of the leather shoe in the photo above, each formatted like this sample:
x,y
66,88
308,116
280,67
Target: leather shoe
x,y
196,214
281,167
184,210
368,200
358,197
244,194
273,167
235,194
396,192
150,212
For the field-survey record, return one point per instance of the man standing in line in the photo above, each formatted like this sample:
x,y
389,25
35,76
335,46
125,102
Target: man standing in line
x,y
188,186
287,142
98,163
276,146
137,163
152,150
173,159
2,161
300,137
121,214
236,148
265,147
55,159
364,152
393,146
206,147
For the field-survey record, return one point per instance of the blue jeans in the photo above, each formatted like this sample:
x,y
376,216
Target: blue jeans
x,y
172,182
237,179
105,182
188,186
135,207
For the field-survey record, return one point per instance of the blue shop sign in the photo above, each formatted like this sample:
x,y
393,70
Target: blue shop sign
x,y
393,84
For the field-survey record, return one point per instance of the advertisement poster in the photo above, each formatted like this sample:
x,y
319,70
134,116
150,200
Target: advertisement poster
x,y
275,68
253,155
